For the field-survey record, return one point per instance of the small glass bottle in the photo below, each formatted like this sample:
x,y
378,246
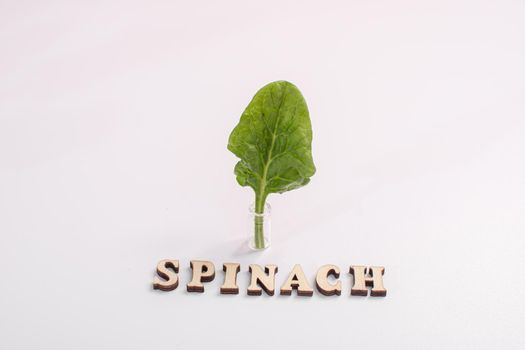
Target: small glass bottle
x,y
259,228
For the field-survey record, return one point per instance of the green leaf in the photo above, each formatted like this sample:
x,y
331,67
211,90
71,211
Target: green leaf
x,y
274,142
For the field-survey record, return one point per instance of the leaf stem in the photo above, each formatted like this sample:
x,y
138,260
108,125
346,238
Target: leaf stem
x,y
260,199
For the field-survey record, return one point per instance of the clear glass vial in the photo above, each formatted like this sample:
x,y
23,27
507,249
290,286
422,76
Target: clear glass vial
x,y
259,228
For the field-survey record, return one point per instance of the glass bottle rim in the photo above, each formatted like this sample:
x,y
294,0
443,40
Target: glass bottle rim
x,y
267,209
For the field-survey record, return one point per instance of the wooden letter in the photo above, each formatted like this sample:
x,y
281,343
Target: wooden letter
x,y
321,280
259,279
362,280
167,269
203,271
230,278
297,280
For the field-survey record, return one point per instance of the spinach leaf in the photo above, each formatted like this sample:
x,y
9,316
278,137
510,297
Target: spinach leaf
x,y
274,143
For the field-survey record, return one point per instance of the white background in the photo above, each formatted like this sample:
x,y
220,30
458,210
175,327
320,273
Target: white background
x,y
114,120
